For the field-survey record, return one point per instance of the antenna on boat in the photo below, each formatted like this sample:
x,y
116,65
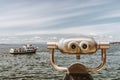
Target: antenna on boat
x,y
77,46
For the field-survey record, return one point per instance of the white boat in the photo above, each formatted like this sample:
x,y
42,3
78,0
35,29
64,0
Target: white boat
x,y
24,49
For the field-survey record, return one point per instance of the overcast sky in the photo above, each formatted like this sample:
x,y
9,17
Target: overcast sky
x,y
34,17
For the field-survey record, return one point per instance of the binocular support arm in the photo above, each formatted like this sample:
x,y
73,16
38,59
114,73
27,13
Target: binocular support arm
x,y
62,69
103,59
65,69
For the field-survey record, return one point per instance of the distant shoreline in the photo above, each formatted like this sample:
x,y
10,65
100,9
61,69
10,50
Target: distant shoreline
x,y
114,42
42,43
22,43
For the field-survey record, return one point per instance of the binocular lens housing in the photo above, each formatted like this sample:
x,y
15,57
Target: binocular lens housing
x,y
73,46
84,46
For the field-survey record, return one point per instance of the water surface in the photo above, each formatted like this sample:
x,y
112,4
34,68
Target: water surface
x,y
37,66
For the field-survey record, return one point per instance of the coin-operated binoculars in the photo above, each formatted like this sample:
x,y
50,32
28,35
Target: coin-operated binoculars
x,y
78,46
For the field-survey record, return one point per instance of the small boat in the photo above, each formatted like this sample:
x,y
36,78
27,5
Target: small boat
x,y
26,49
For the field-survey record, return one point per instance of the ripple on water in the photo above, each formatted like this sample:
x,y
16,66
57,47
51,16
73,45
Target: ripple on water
x,y
37,66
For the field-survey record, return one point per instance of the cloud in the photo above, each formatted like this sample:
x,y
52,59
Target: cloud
x,y
99,29
31,13
59,17
109,15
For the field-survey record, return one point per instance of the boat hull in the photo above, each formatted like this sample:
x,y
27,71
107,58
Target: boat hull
x,y
23,52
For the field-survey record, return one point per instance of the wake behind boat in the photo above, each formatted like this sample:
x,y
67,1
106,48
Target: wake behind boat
x,y
26,49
